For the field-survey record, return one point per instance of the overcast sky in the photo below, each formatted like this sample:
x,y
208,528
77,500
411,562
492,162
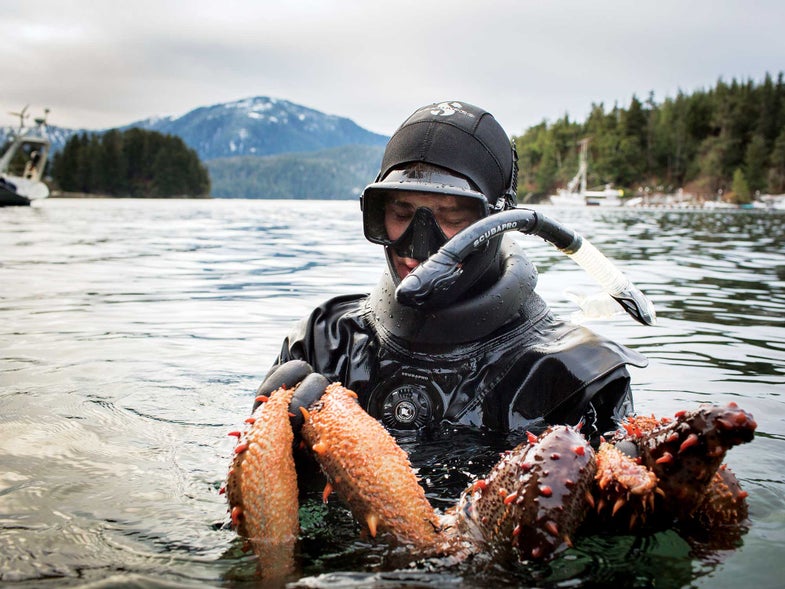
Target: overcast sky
x,y
98,64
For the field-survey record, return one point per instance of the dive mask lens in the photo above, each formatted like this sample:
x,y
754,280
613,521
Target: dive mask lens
x,y
374,203
421,178
384,207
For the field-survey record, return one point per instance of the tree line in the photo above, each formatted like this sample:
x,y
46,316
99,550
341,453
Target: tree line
x,y
131,163
728,140
334,173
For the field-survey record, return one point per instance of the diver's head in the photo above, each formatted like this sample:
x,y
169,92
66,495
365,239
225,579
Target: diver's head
x,y
448,165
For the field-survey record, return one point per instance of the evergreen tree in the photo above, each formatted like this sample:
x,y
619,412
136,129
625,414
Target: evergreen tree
x,y
770,110
131,163
546,171
755,164
85,170
776,173
741,189
699,138
711,159
634,123
111,173
64,165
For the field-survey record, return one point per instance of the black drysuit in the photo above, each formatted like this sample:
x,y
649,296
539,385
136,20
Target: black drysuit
x,y
498,359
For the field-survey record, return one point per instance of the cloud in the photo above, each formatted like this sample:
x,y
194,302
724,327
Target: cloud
x,y
100,64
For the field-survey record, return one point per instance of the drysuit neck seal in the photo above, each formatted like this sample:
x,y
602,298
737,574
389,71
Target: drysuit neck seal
x,y
472,318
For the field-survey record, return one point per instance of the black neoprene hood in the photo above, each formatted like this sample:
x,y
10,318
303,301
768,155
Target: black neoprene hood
x,y
467,154
462,138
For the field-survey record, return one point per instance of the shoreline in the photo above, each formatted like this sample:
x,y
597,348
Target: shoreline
x,y
61,194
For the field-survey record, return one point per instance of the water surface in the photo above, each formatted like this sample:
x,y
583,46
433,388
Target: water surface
x,y
133,334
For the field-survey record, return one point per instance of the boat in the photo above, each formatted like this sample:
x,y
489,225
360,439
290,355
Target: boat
x,y
576,193
23,163
772,201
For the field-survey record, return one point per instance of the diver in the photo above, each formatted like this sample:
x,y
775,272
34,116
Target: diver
x,y
31,167
487,352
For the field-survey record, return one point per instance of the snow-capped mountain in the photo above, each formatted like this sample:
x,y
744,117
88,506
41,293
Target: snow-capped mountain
x,y
253,126
260,126
309,153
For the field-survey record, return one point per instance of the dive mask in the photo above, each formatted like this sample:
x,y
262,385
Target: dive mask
x,y
385,201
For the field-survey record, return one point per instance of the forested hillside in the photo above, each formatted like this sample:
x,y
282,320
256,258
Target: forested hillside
x,y
340,172
729,139
135,163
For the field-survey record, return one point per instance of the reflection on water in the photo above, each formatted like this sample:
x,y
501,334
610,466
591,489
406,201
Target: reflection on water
x,y
132,334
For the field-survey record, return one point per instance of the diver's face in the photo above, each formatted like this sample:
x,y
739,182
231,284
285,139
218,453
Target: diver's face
x,y
452,213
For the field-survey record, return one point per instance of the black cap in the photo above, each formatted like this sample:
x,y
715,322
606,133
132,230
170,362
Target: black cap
x,y
462,138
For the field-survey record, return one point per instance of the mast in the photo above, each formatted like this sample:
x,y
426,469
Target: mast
x,y
579,180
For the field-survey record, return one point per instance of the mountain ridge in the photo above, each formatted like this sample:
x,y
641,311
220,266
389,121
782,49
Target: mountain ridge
x,y
263,147
260,126
257,125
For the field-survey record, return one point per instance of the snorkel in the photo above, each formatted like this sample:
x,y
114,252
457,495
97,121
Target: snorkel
x,y
432,280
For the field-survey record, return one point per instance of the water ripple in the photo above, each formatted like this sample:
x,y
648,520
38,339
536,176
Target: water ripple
x,y
133,334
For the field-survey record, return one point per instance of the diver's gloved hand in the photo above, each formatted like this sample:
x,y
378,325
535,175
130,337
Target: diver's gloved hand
x,y
627,447
308,392
288,374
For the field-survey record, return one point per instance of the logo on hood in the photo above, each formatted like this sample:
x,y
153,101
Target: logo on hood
x,y
447,109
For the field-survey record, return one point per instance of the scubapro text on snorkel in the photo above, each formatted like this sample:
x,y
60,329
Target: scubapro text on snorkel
x,y
493,231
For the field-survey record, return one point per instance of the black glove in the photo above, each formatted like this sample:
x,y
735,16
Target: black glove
x,y
627,447
287,374
310,390
290,374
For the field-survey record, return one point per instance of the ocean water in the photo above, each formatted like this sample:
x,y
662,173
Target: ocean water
x,y
133,334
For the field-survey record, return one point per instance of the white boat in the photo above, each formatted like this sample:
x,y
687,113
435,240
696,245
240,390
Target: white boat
x,y
565,198
23,162
773,201
609,197
576,193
